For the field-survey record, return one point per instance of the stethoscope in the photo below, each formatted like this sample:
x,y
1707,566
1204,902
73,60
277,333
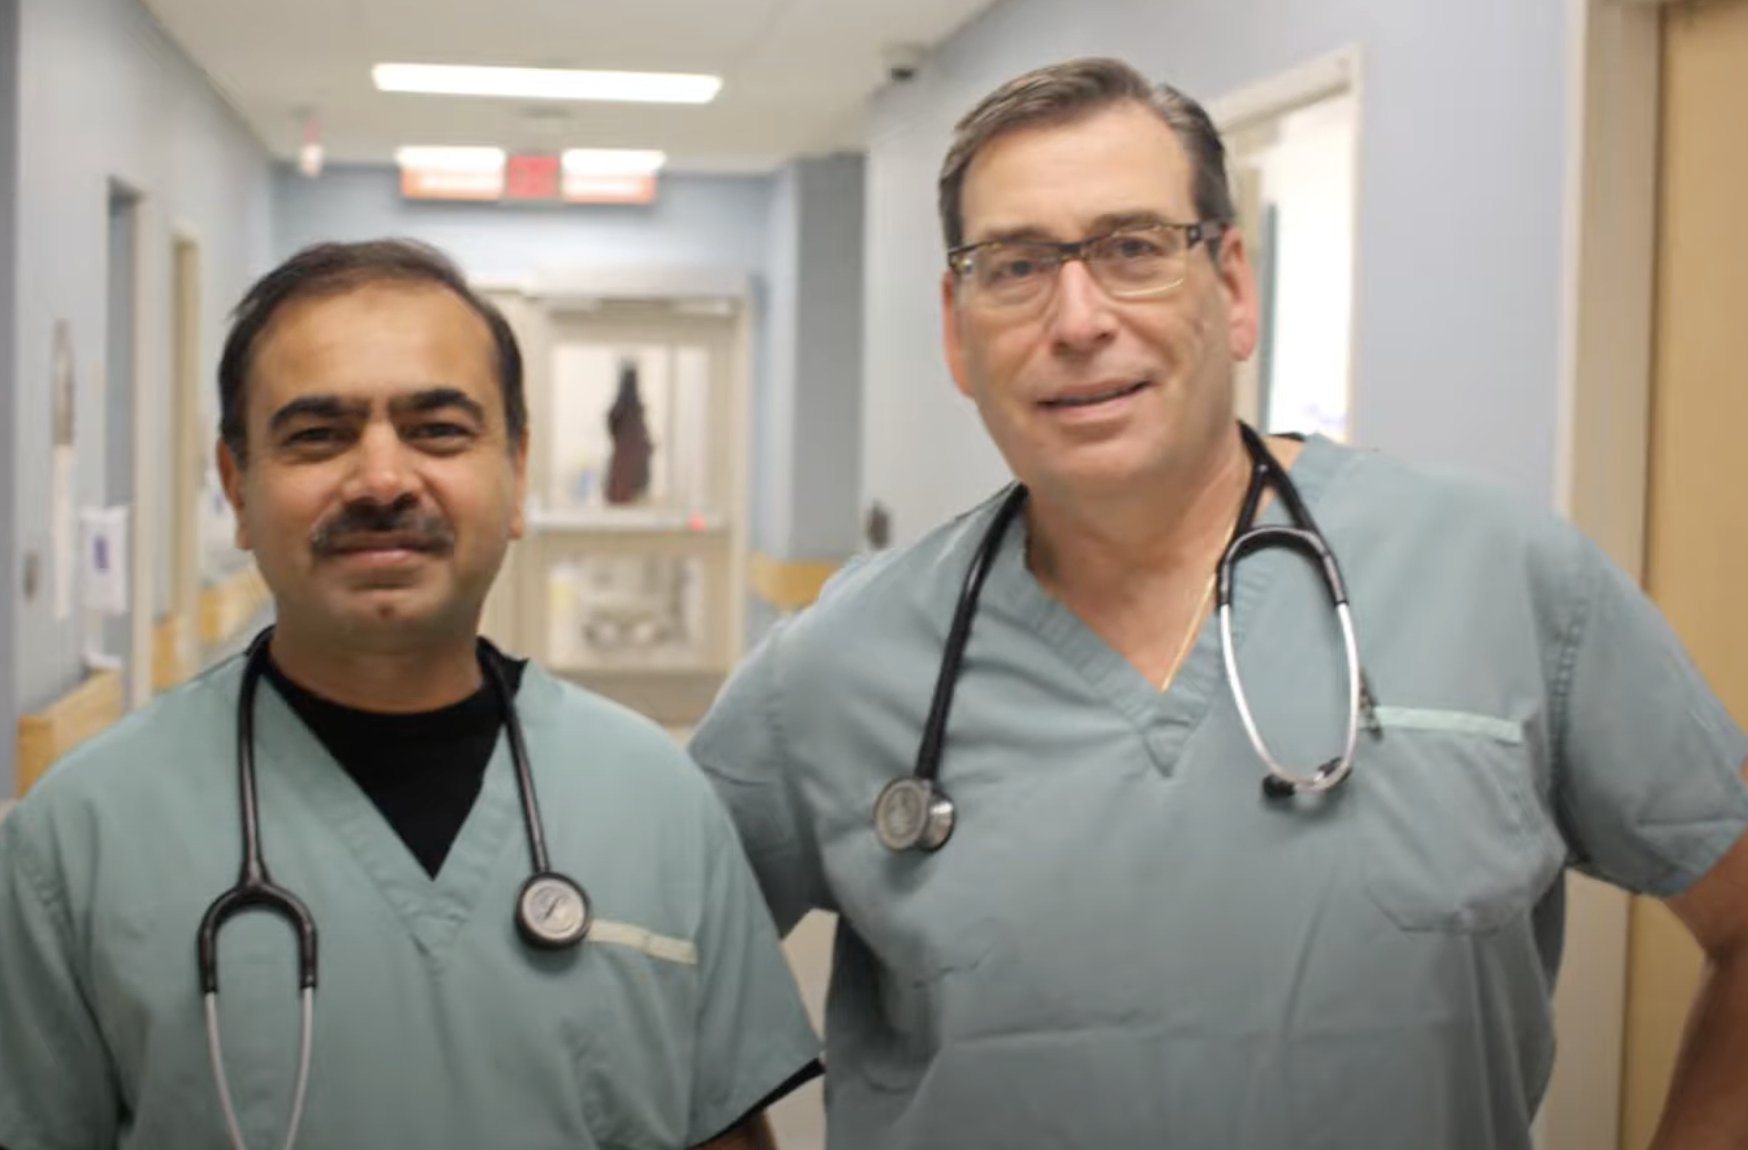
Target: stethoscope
x,y
552,910
914,812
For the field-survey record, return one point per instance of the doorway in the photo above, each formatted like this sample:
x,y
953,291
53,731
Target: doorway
x,y
1293,155
1695,563
180,569
113,633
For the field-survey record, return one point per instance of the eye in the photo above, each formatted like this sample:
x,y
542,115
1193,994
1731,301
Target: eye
x,y
443,432
313,436
1136,247
1014,266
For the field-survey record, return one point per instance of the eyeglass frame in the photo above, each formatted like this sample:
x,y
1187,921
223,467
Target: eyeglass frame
x,y
1195,233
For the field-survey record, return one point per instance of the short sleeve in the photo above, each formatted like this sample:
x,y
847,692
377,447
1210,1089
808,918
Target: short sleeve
x,y
755,1042
739,745
56,1087
1649,759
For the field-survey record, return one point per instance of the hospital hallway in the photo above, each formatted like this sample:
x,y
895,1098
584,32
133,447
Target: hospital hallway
x,y
1502,237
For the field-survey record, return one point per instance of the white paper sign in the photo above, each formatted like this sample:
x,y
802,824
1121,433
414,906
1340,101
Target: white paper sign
x,y
103,561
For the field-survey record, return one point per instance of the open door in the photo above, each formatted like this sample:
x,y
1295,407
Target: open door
x,y
1697,552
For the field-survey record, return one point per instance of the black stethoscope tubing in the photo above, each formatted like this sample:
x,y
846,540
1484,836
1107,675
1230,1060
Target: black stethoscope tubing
x,y
913,812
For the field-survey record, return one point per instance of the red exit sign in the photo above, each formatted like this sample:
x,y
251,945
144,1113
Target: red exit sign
x,y
533,176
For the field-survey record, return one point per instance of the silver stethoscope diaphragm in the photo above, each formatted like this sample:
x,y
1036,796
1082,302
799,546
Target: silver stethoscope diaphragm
x,y
552,911
913,813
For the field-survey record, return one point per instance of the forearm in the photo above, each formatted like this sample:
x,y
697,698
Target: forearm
x,y
1708,1098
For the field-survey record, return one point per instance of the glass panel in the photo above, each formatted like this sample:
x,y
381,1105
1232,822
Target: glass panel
x,y
630,427
689,432
617,612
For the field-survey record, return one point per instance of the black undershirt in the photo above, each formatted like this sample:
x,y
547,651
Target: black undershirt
x,y
422,770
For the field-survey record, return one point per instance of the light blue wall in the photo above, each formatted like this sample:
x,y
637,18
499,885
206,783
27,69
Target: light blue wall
x,y
807,411
828,361
715,221
1459,242
808,425
11,557
772,471
103,95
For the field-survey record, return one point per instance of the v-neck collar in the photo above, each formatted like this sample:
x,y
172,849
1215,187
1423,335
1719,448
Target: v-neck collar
x,y
433,908
1164,719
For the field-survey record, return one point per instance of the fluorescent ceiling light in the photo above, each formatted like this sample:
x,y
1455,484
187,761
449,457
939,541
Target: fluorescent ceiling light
x,y
612,162
546,83
451,159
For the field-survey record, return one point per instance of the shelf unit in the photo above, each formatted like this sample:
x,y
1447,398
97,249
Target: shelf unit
x,y
643,603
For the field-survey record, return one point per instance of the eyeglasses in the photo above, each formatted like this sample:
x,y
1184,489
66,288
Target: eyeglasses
x,y
1130,263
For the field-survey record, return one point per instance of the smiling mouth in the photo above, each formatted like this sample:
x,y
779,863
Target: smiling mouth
x,y
1093,398
364,545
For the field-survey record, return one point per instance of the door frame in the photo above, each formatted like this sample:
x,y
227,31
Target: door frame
x,y
1337,73
188,450
1601,465
143,522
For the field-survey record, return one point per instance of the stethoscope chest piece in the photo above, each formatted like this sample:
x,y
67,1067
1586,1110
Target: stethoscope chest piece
x,y
552,912
913,814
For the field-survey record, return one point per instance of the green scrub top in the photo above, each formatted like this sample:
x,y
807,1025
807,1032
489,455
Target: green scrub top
x,y
1124,943
435,1024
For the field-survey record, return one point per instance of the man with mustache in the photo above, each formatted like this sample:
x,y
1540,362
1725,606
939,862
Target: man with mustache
x,y
1179,885
574,958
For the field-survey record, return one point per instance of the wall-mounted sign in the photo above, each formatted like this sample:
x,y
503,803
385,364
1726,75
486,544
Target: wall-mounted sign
x,y
580,176
435,184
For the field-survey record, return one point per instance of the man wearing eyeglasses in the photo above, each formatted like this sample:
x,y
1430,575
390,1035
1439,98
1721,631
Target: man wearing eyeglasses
x,y
1084,924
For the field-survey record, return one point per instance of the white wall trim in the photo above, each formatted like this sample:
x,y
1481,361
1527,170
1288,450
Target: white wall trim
x,y
1607,287
1601,465
1338,73
1279,94
145,530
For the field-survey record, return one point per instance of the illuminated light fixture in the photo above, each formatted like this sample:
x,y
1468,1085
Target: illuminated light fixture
x,y
451,173
451,159
612,162
546,83
578,176
310,154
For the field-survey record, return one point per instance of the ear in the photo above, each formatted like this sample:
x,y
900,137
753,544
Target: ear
x,y
1238,286
952,335
231,474
519,468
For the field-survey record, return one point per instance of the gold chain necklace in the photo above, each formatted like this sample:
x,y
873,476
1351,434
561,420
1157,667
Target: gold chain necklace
x,y
1190,632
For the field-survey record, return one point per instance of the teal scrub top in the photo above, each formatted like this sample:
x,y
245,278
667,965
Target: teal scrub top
x,y
435,1025
1124,943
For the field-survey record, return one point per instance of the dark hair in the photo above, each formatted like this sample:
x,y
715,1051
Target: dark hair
x,y
333,268
1068,91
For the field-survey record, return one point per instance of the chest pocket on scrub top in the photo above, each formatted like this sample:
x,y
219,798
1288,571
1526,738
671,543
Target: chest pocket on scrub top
x,y
1454,833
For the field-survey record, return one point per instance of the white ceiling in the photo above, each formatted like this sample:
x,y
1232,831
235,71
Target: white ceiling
x,y
797,73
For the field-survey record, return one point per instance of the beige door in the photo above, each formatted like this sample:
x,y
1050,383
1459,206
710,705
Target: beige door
x,y
1697,548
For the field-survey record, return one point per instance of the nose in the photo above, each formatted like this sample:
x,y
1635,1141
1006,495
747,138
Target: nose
x,y
1083,318
383,472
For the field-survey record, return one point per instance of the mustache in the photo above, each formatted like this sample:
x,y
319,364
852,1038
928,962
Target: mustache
x,y
355,523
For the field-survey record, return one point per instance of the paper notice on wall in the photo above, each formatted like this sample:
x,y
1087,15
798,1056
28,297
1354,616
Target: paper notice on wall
x,y
104,560
63,517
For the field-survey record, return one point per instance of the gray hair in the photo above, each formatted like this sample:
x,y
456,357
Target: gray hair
x,y
1067,91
